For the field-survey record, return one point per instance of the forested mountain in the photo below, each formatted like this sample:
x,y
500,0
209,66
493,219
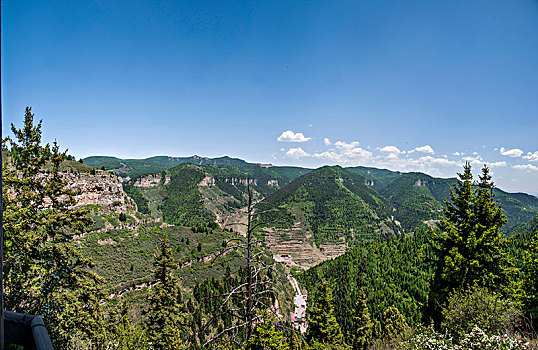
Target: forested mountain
x,y
136,167
391,271
332,202
191,194
419,197
336,204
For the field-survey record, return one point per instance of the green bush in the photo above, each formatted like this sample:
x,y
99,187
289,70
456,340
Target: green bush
x,y
477,306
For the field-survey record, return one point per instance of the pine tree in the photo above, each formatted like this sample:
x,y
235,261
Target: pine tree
x,y
530,282
166,314
45,273
297,342
322,325
491,264
124,335
266,335
361,334
469,245
394,324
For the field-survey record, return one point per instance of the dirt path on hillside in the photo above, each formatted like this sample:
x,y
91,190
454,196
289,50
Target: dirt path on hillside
x,y
151,284
237,220
133,227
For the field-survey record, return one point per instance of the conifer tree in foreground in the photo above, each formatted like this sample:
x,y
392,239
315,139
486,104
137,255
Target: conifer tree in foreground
x,y
267,335
166,314
469,246
394,324
323,329
361,334
45,274
530,282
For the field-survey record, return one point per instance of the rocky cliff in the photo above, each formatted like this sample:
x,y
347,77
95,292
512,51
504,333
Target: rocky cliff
x,y
102,189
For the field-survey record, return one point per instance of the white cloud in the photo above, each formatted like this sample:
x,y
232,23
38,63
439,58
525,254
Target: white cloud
x,y
345,153
425,149
390,149
326,141
533,157
296,153
428,160
477,160
392,156
514,152
345,145
290,136
282,149
527,167
457,154
497,164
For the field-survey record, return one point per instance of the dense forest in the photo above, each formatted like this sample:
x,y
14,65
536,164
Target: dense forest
x,y
427,265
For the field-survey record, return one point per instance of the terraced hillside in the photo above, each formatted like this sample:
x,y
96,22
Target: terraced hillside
x,y
335,205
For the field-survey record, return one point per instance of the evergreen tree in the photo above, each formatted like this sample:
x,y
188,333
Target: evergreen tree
x,y
469,246
322,325
394,324
530,282
45,273
166,314
297,342
491,265
266,335
125,335
361,334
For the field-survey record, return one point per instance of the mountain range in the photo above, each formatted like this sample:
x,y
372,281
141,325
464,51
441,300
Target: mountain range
x,y
333,203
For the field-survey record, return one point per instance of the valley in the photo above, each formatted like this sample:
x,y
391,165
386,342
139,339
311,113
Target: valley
x,y
312,215
350,228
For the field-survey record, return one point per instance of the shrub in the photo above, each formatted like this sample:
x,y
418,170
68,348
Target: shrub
x,y
480,307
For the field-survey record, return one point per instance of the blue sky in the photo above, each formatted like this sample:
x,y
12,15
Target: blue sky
x,y
404,85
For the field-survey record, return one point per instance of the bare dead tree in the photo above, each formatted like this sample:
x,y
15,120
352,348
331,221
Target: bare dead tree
x,y
254,292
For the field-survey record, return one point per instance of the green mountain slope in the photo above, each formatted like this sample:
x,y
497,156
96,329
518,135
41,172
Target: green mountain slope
x,y
413,196
392,272
419,197
190,194
335,203
136,167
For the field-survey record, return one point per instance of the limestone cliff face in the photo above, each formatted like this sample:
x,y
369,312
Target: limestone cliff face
x,y
420,182
101,189
150,180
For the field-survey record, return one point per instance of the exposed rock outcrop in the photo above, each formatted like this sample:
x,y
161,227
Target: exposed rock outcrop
x,y
420,182
101,189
